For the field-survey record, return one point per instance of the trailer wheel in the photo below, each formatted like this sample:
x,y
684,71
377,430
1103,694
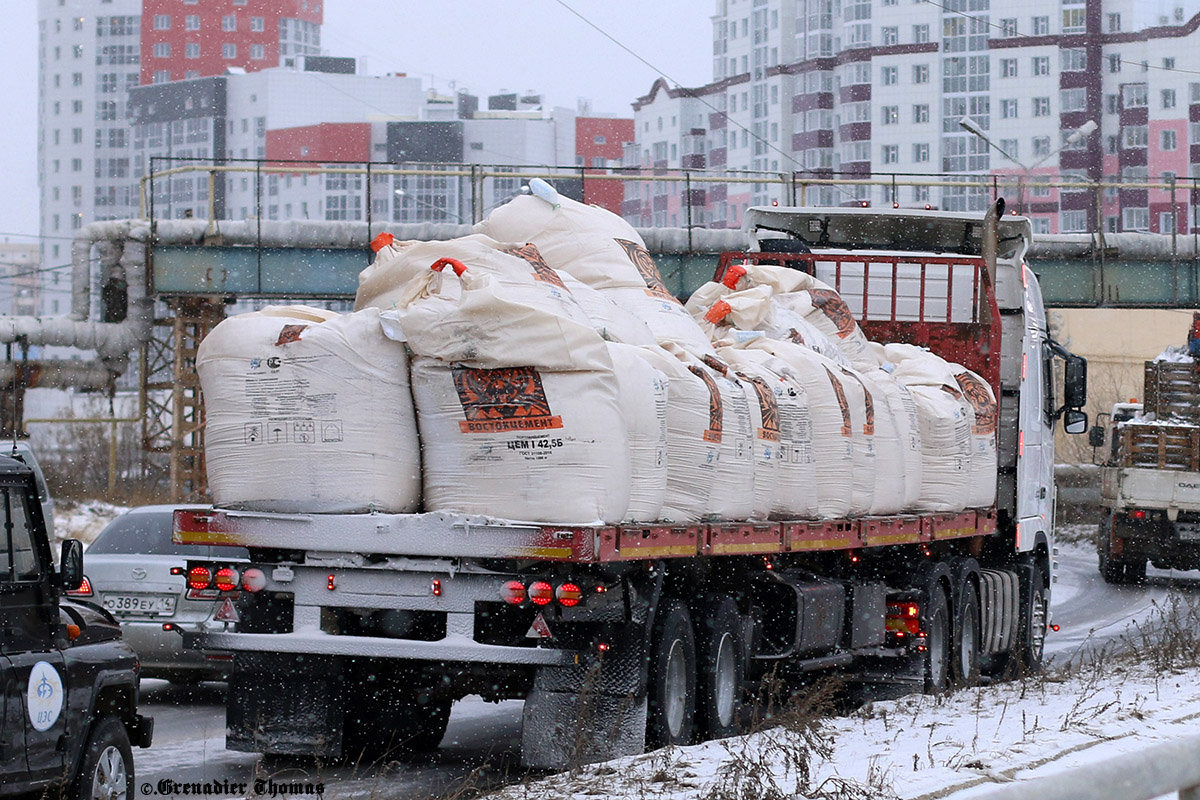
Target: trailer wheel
x,y
965,661
937,639
671,706
719,668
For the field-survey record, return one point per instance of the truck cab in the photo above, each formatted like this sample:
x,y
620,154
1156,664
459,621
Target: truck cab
x,y
69,701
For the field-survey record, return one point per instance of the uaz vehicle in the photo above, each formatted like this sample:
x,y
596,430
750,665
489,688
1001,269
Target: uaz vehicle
x,y
70,682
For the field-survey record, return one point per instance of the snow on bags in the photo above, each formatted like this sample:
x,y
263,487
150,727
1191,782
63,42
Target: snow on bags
x,y
308,411
793,495
945,419
643,401
982,483
522,443
833,429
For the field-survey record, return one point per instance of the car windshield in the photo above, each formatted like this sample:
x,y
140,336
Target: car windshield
x,y
150,534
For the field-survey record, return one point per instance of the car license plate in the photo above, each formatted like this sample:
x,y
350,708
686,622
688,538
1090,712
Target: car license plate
x,y
1188,531
129,604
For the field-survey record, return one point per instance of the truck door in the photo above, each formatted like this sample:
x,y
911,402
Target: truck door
x,y
28,618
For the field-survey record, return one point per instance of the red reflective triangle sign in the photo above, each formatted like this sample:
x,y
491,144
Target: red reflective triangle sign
x,y
226,613
539,629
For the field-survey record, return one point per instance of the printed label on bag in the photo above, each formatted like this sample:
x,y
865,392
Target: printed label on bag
x,y
847,426
716,413
541,270
977,394
768,406
289,333
498,400
834,307
646,267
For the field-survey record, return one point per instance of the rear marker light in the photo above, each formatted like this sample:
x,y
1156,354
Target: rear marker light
x,y
1054,628
436,588
513,593
332,584
199,578
603,647
176,570
568,594
254,580
84,590
540,593
1138,514
226,579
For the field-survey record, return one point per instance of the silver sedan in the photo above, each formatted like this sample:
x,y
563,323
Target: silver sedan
x,y
128,572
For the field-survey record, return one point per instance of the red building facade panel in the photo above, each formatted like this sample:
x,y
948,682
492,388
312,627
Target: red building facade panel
x,y
326,142
599,141
207,36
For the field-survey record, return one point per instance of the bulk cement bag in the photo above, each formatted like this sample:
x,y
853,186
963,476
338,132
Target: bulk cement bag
x,y
982,488
308,411
946,420
613,322
833,425
888,496
643,398
900,402
518,407
794,494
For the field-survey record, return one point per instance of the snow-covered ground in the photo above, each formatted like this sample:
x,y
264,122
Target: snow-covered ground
x,y
82,519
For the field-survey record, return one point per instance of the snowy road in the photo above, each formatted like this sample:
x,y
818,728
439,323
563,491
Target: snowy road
x,y
189,728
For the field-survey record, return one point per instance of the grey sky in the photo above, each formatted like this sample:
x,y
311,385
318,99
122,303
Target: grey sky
x,y
479,45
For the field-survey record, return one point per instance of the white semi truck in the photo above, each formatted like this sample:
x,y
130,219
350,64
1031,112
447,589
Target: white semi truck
x,y
358,631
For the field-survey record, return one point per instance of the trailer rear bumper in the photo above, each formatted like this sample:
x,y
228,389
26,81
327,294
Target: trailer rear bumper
x,y
455,649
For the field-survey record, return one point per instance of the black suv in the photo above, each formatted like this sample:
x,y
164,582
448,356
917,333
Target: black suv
x,y
68,710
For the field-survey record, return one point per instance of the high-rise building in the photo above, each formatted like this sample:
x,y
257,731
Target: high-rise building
x,y
852,87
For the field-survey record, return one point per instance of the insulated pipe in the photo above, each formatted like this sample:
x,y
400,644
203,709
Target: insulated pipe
x,y
57,374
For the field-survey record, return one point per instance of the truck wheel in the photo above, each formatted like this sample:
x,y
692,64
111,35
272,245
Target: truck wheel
x,y
1032,639
1135,573
937,639
671,707
1111,571
106,768
965,661
719,668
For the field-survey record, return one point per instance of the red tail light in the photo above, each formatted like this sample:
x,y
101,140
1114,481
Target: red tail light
x,y
199,577
226,579
904,619
568,594
513,593
84,590
1138,513
540,593
254,580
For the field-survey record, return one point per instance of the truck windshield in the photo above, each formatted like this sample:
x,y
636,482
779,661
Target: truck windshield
x,y
150,534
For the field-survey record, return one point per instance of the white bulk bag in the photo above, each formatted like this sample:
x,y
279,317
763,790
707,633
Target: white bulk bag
x,y
308,411
522,443
852,393
900,401
665,316
890,486
794,493
833,430
643,399
613,322
982,483
589,242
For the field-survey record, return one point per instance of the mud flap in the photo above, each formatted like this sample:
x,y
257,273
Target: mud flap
x,y
285,705
564,729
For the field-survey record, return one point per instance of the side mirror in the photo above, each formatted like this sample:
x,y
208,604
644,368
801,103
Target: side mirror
x,y
1075,382
1075,421
70,565
1096,436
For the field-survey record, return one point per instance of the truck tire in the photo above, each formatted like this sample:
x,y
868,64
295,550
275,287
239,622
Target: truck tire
x,y
106,765
937,638
671,703
1135,573
394,723
1112,571
719,668
1032,634
965,660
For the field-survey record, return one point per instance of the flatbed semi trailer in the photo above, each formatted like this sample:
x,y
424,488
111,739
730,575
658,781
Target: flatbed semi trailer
x,y
356,632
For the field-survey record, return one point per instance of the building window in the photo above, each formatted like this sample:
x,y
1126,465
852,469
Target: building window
x,y
1008,27
162,22
77,51
1135,219
1072,222
889,34
229,22
1041,65
257,24
1041,145
192,50
77,79
599,140
191,22
258,52
890,153
1134,95
1041,106
76,165
1073,60
1112,144
888,76
1008,68
1114,63
1008,108
162,50
1074,20
1168,63
921,152
1135,136
920,113
1168,140
891,115
1114,23
228,50
191,74
77,136
1041,26
1168,98
920,34
162,76
1011,147
1072,100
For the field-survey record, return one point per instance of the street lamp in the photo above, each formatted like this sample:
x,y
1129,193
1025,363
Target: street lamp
x,y
403,195
1079,134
